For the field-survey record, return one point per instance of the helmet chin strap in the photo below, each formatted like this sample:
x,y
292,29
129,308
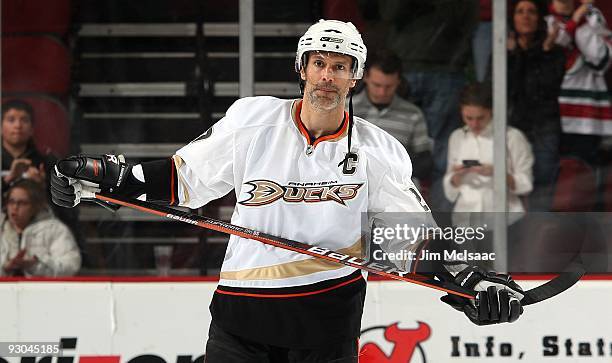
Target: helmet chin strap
x,y
350,131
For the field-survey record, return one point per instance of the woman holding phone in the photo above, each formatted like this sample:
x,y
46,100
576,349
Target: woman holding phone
x,y
469,176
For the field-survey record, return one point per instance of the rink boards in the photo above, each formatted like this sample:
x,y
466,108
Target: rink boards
x,y
157,322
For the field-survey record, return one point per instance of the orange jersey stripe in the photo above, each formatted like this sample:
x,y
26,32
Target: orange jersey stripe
x,y
305,133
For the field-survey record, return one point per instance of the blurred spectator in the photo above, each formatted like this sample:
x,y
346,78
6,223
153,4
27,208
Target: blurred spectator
x,y
21,159
433,38
19,155
586,113
33,242
469,177
482,41
380,105
535,73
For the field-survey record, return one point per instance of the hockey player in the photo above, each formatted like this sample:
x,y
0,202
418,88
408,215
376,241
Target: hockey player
x,y
305,170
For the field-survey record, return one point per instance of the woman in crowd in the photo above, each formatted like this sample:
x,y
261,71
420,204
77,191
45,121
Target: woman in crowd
x,y
535,73
469,177
32,241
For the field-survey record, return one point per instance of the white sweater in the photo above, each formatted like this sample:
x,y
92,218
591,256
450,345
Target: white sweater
x,y
45,237
475,193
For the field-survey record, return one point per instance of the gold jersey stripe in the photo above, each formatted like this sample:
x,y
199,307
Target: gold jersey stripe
x,y
292,269
178,162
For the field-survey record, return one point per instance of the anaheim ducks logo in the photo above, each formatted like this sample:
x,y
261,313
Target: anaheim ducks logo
x,y
266,192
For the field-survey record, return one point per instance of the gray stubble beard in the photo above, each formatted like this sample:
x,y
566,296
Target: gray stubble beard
x,y
319,102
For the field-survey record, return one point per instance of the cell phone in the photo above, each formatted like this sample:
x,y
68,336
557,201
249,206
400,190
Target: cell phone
x,y
470,162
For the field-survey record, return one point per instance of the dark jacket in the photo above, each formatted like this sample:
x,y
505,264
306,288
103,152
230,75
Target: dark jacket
x,y
67,215
534,84
30,153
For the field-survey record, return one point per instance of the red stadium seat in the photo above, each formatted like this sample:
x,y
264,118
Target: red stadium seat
x,y
51,124
35,64
576,189
35,16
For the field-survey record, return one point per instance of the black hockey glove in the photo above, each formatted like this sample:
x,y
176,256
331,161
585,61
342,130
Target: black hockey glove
x,y
498,299
79,177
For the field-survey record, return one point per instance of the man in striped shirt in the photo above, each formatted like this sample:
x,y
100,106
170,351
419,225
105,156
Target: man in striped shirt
x,y
379,104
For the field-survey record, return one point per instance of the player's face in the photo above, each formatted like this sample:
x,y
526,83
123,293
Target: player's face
x,y
526,18
476,117
19,207
16,127
381,87
328,79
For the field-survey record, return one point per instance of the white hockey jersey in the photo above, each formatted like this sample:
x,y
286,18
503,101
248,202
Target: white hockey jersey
x,y
291,186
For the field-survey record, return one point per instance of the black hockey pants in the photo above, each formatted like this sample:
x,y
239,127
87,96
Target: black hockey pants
x,y
223,347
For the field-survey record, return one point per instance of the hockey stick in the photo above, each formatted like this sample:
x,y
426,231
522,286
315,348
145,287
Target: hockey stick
x,y
568,278
287,244
554,287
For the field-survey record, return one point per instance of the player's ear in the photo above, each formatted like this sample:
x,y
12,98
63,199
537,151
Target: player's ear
x,y
353,83
303,74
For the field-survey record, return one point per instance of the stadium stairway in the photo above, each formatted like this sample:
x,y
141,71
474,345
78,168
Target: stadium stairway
x,y
144,91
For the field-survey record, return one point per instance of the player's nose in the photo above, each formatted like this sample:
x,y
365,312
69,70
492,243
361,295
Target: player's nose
x,y
328,73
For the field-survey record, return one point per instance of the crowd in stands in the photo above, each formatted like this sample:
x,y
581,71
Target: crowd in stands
x,y
33,242
428,83
558,104
558,53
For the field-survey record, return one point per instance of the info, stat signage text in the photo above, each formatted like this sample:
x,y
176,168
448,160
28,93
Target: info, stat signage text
x,y
103,322
562,329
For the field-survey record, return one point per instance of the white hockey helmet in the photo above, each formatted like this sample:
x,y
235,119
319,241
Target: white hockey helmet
x,y
333,36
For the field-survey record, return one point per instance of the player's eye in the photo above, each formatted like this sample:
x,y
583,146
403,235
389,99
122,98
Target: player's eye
x,y
318,63
341,67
